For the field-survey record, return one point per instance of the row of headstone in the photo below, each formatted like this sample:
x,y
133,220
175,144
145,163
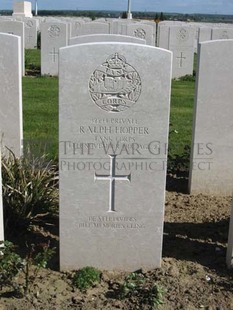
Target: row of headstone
x,y
111,84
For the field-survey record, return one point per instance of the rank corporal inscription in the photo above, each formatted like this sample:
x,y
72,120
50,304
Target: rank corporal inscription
x,y
115,86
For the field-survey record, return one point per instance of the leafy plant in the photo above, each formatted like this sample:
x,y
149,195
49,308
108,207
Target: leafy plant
x,y
179,164
29,191
131,285
86,277
37,258
10,264
136,284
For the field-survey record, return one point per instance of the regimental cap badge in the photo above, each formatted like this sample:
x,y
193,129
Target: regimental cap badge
x,y
115,86
183,35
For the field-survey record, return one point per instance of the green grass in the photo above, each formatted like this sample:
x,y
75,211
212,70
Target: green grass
x,y
32,57
40,108
181,117
40,114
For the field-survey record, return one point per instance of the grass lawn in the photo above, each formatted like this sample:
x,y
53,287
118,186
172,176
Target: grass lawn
x,y
40,110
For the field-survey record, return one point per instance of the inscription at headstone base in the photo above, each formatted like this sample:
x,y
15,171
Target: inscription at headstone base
x,y
114,115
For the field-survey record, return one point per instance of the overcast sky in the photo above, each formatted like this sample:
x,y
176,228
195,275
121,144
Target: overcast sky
x,y
182,6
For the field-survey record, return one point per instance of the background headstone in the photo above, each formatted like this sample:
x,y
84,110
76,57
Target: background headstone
x,y
181,43
94,28
53,36
211,169
11,124
16,28
31,26
105,38
142,31
112,202
222,33
204,34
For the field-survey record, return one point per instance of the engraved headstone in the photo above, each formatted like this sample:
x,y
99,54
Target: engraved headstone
x,y
211,169
53,36
30,26
114,116
11,127
181,43
142,31
222,33
104,38
16,28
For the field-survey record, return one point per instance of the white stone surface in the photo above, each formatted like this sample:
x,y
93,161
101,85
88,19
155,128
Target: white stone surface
x,y
22,9
95,28
31,26
53,36
181,43
204,34
211,169
142,31
11,125
105,38
163,36
111,96
222,33
15,28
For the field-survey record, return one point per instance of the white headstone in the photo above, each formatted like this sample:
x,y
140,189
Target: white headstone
x,y
211,169
11,124
105,38
114,116
163,36
204,34
142,31
53,36
222,33
181,43
31,26
17,29
95,28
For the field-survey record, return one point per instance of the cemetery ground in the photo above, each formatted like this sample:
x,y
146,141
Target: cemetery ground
x,y
193,273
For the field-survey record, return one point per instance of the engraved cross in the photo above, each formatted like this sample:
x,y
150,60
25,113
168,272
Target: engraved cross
x,y
181,59
112,177
54,54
